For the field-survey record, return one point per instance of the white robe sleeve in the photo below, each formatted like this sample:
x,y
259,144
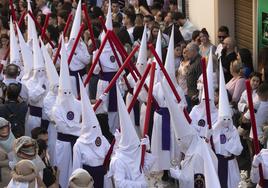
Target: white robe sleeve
x,y
82,53
242,102
121,182
36,93
77,158
233,145
254,175
149,160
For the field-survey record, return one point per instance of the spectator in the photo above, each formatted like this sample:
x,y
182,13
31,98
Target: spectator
x,y
129,22
194,70
173,6
140,7
50,174
186,27
236,85
39,133
181,75
116,14
3,25
206,45
41,5
244,55
3,45
228,55
178,53
14,110
177,33
196,37
223,32
11,73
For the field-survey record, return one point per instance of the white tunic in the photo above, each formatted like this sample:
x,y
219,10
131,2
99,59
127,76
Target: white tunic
x,y
195,164
123,174
243,102
199,118
91,155
48,104
232,146
163,157
106,65
80,60
37,89
254,173
63,149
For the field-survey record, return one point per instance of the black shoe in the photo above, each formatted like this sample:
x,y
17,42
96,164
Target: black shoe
x,y
165,176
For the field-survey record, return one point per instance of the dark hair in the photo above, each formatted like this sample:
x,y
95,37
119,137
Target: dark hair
x,y
195,34
42,146
63,14
54,33
4,22
67,6
255,74
246,58
130,14
204,31
96,12
124,37
173,2
178,15
38,131
262,89
156,6
224,29
137,33
150,17
13,91
4,35
12,71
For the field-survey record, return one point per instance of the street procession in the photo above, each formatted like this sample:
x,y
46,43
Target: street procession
x,y
130,94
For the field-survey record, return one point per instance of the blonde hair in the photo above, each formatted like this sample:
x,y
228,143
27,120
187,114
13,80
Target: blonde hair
x,y
236,66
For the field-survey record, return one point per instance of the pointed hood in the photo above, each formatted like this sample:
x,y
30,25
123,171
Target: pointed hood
x,y
210,78
181,126
170,59
109,21
76,22
51,71
109,26
27,56
65,89
142,56
38,60
90,130
14,46
129,144
224,107
31,29
129,138
158,49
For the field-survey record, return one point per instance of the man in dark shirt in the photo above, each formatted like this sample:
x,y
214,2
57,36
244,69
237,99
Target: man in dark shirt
x,y
228,55
194,70
14,110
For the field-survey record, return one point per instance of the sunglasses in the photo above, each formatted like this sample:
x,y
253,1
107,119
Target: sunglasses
x,y
221,37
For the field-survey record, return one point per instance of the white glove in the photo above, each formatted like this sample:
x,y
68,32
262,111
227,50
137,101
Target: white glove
x,y
103,96
117,135
175,173
209,133
146,141
4,62
256,160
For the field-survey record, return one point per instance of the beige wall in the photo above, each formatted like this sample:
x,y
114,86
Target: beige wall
x,y
202,14
211,14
